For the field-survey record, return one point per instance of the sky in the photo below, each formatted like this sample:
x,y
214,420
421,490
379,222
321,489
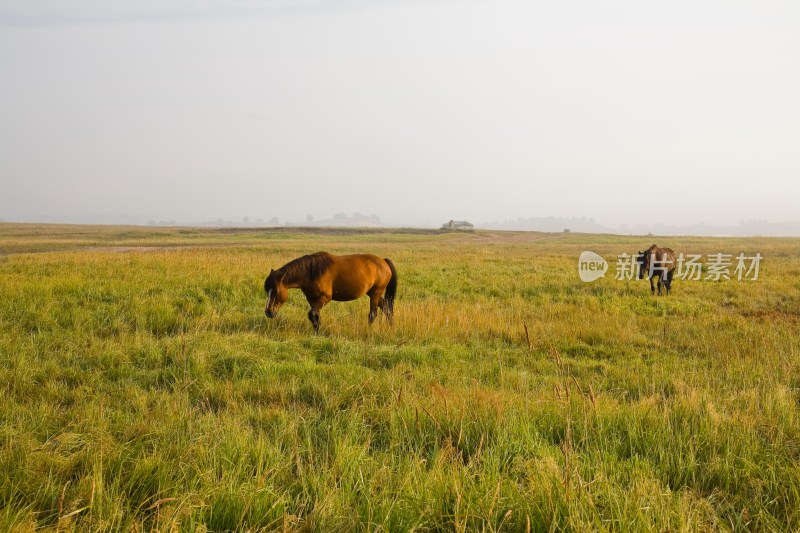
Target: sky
x,y
628,112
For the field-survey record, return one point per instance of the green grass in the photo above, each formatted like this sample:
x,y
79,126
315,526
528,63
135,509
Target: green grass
x,y
143,388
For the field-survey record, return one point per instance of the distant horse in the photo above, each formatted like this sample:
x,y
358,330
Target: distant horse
x,y
659,262
324,277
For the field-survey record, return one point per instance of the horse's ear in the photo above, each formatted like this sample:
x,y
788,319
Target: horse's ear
x,y
271,270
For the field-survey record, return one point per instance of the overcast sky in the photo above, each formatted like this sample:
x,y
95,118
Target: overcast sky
x,y
627,111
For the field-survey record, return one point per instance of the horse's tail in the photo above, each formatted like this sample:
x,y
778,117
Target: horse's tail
x,y
391,288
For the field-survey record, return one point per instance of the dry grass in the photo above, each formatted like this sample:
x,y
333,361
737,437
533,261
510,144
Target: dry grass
x,y
144,389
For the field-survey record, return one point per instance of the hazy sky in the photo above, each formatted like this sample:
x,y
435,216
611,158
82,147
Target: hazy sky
x,y
628,111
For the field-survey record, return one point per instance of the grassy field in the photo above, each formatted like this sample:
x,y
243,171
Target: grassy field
x,y
142,388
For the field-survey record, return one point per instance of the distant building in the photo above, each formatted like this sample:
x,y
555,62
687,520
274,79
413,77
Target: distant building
x,y
566,230
458,224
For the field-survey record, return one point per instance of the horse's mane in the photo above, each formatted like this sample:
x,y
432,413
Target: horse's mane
x,y
654,249
312,266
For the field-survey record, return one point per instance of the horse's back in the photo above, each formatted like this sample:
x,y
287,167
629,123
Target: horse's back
x,y
359,261
658,251
668,257
352,276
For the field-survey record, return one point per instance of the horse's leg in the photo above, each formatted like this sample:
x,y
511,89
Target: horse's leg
x,y
660,283
313,316
375,301
669,281
652,287
316,305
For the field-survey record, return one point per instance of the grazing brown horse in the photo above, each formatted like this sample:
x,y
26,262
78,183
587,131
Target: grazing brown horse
x,y
659,262
324,277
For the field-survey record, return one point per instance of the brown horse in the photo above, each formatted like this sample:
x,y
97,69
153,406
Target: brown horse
x,y
657,262
324,277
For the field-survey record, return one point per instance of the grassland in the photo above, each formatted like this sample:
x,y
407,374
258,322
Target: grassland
x,y
142,388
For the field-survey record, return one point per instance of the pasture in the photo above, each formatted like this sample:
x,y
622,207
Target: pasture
x,y
142,388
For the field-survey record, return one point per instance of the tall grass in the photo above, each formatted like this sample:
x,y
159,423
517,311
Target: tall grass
x,y
142,388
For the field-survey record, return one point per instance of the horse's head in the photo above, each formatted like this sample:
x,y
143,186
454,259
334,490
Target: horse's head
x,y
643,260
277,293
